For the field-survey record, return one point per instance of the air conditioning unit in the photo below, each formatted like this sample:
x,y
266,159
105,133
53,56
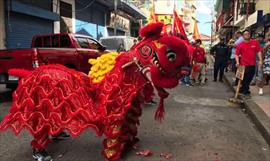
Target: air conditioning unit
x,y
243,8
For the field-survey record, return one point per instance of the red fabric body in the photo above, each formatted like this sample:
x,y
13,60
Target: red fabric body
x,y
248,51
54,98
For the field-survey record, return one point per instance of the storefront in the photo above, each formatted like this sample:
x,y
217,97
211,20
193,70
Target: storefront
x,y
121,23
128,20
26,18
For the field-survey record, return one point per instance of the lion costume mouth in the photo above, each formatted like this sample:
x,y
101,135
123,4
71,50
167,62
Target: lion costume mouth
x,y
157,63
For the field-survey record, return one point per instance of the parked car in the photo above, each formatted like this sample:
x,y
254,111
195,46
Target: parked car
x,y
71,50
113,42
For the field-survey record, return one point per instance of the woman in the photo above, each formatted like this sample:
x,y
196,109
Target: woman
x,y
266,63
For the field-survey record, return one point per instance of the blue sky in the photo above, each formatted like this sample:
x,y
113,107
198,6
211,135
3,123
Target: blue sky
x,y
204,9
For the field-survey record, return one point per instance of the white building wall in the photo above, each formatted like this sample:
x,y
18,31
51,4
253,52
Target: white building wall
x,y
263,5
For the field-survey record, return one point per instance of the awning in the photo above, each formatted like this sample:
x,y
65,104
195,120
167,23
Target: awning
x,y
20,7
256,17
131,9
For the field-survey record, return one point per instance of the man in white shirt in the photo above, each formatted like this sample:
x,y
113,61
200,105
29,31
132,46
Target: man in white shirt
x,y
239,38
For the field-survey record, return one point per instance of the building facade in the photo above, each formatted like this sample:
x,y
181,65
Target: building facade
x,y
25,18
189,16
234,15
90,18
185,8
22,19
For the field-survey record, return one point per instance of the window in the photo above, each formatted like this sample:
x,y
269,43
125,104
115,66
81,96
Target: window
x,y
93,44
55,41
47,41
83,42
64,41
38,42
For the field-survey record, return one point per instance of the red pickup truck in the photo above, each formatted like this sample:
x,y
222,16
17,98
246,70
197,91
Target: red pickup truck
x,y
71,50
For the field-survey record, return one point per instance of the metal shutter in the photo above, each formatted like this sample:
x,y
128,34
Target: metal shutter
x,y
21,28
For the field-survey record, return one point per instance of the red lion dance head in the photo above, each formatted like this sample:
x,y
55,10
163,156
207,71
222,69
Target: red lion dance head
x,y
162,58
163,55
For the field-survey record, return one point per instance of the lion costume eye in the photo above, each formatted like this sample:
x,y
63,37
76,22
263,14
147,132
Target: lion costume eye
x,y
171,55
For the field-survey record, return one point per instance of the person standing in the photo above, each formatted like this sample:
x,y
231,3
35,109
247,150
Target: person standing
x,y
258,77
266,62
199,63
121,48
248,50
238,40
221,55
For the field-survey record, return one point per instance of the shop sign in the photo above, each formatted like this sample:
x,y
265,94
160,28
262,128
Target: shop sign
x,y
240,72
254,18
121,22
166,19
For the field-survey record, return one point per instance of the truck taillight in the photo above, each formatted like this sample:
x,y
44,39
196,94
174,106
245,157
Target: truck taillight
x,y
35,64
35,59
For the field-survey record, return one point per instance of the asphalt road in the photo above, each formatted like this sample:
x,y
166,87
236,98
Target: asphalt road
x,y
200,125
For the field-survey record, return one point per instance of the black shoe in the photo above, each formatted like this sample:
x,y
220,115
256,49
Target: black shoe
x,y
41,156
61,136
221,81
252,84
214,80
246,96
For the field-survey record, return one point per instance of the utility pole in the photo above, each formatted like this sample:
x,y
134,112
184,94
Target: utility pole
x,y
115,14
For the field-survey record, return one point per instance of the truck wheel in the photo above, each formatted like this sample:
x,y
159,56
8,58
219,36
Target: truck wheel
x,y
12,86
71,66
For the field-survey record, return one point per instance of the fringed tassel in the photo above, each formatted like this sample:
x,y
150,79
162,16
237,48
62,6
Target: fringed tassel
x,y
160,112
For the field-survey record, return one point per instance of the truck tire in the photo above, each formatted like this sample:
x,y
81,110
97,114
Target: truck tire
x,y
12,86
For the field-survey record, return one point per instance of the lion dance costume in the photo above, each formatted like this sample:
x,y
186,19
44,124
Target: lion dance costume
x,y
52,98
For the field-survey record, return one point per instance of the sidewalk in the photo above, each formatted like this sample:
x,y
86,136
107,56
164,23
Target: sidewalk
x,y
258,107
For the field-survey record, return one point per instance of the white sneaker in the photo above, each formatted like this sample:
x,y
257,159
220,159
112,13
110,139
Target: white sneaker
x,y
260,91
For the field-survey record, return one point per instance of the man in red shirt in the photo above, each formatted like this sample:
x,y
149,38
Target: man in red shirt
x,y
199,62
247,50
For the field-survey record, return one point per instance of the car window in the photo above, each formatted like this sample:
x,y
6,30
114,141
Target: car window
x,y
47,41
111,43
64,41
83,42
55,41
93,44
38,42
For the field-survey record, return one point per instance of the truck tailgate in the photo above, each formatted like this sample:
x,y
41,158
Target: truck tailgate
x,y
17,58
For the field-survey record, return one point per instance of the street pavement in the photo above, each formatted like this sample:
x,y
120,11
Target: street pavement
x,y
199,125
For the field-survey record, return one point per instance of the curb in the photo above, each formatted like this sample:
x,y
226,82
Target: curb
x,y
256,114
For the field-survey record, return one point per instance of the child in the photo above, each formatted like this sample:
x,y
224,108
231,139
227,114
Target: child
x,y
199,63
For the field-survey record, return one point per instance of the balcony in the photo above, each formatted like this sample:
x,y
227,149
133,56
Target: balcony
x,y
243,8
